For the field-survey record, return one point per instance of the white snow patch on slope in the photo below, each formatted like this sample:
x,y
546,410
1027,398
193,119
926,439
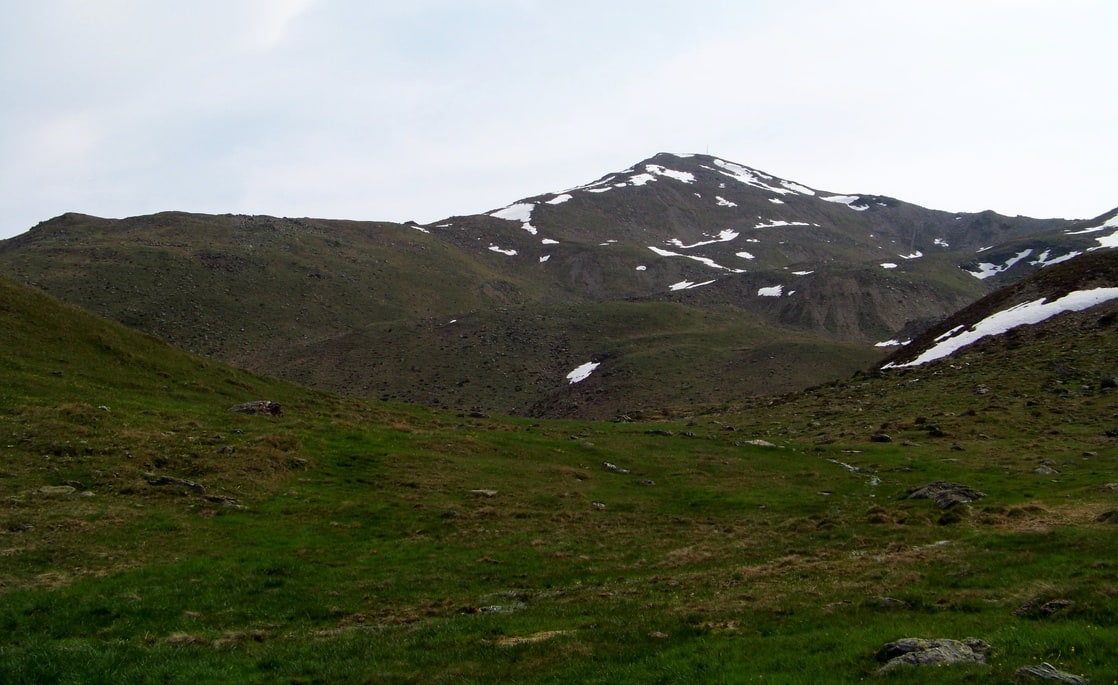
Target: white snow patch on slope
x,y
848,200
771,291
797,188
681,176
987,269
723,202
495,248
1023,314
940,242
559,199
749,177
642,267
687,285
888,265
521,211
545,258
744,255
1109,223
705,260
802,273
915,255
892,343
1045,259
776,201
723,237
549,241
652,171
776,223
1108,241
582,372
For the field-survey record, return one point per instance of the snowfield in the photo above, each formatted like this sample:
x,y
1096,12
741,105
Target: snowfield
x,y
1023,314
582,372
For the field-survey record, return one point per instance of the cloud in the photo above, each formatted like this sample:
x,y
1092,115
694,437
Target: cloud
x,y
391,111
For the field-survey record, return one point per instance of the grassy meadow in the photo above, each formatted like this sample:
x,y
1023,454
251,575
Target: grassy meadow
x,y
351,541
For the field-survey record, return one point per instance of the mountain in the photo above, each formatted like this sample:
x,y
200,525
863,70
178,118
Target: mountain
x,y
686,280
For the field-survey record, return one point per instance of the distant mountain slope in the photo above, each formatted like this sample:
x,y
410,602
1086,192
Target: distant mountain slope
x,y
688,278
1047,299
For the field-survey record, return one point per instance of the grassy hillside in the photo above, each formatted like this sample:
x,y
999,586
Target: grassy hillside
x,y
366,309
354,541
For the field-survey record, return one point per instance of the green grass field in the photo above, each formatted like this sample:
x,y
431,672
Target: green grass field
x,y
351,541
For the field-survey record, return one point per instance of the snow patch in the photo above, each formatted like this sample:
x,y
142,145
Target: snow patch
x,y
771,291
797,188
940,242
723,237
776,223
1023,314
888,265
559,199
744,255
848,200
709,262
776,201
723,202
521,211
915,255
986,269
642,268
802,273
545,258
582,372
1112,222
549,241
653,171
681,176
687,285
892,343
1044,259
495,248
750,177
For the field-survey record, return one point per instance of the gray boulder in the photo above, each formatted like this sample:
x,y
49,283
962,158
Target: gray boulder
x,y
1046,671
946,494
916,651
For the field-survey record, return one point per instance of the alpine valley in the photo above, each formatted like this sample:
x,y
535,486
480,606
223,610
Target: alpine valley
x,y
788,502
683,280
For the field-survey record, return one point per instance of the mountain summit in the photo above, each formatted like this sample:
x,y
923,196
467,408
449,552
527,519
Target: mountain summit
x,y
681,280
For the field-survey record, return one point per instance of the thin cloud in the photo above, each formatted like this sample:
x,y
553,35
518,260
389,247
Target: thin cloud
x,y
432,108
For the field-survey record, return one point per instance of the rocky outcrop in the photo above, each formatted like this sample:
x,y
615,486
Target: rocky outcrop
x,y
259,407
946,494
1046,671
916,651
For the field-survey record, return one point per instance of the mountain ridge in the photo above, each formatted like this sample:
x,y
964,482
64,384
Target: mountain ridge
x,y
691,278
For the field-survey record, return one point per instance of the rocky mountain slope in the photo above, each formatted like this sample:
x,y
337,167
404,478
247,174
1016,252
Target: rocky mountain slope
x,y
685,279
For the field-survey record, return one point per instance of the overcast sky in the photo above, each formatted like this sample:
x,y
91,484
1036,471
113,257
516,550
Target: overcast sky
x,y
422,109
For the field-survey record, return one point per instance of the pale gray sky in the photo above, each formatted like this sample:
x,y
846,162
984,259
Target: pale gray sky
x,y
421,109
